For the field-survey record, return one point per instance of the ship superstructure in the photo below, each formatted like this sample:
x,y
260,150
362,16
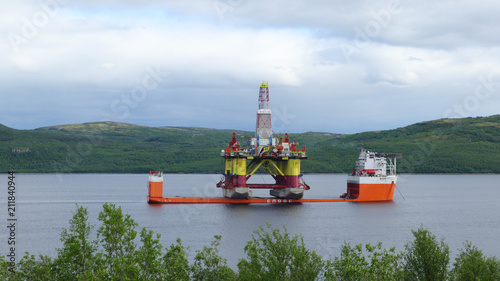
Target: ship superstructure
x,y
278,157
374,177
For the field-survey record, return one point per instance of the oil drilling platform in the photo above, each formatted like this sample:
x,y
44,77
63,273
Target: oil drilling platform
x,y
373,179
278,157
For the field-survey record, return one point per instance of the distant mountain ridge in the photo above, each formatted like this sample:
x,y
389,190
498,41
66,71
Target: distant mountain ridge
x,y
465,145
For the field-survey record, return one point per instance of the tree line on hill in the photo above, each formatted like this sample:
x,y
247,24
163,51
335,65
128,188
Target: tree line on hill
x,y
271,254
466,145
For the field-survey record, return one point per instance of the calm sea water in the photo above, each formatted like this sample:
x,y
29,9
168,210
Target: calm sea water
x,y
457,207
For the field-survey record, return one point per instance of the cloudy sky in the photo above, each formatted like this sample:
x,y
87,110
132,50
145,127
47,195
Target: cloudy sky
x,y
334,66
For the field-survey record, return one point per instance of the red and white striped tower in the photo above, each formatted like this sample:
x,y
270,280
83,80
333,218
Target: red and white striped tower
x,y
264,129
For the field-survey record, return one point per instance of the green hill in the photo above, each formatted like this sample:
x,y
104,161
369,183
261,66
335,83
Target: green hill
x,y
468,145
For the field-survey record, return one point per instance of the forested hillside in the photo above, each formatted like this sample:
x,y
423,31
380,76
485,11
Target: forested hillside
x,y
467,145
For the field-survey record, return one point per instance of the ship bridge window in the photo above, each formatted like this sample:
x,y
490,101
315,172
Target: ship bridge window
x,y
372,156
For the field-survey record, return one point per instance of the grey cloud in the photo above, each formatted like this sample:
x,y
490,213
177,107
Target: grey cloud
x,y
84,64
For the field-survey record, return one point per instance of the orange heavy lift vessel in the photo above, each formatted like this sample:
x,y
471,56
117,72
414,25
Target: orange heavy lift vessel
x,y
374,178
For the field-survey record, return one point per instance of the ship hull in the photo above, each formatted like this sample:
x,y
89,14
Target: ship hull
x,y
369,189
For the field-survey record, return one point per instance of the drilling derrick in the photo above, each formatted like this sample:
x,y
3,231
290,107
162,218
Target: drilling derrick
x,y
281,159
264,129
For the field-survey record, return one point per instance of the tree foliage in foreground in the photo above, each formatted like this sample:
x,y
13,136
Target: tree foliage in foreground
x,y
377,264
271,254
472,264
425,257
276,255
209,265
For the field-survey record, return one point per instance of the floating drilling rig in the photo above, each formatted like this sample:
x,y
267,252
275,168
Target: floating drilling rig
x,y
373,179
278,157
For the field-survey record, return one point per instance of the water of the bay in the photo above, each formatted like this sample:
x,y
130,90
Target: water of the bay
x,y
457,207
